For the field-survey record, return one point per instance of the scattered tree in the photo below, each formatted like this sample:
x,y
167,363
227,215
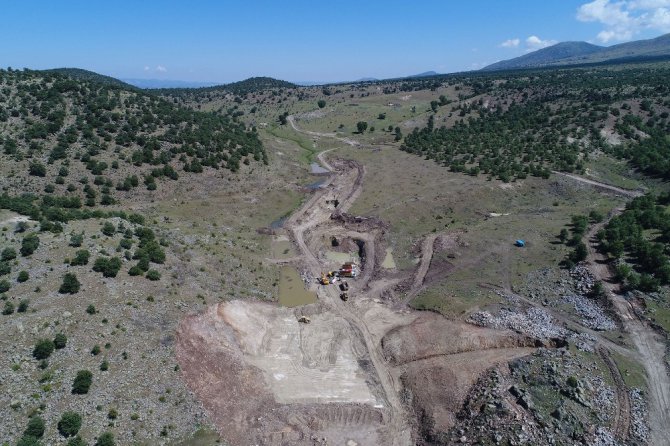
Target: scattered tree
x,y
69,424
43,349
82,382
70,284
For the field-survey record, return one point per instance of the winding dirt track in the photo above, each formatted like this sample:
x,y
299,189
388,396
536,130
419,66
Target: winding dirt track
x,y
598,184
315,213
649,345
621,423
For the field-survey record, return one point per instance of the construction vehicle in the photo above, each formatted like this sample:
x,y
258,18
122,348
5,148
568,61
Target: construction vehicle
x,y
344,286
344,296
324,280
348,270
304,319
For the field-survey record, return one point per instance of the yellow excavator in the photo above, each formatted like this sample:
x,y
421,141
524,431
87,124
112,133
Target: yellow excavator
x,y
325,280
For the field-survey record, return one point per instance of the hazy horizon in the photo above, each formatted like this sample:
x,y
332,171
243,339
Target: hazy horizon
x,y
301,41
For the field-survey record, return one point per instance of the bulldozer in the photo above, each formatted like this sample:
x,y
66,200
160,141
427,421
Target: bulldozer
x,y
344,296
344,286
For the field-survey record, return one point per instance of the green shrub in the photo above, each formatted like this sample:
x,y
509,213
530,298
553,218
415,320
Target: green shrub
x,y
43,349
23,277
153,275
80,258
29,244
135,271
76,240
106,439
109,267
104,366
91,309
9,308
69,424
76,441
28,440
5,268
4,286
37,169
82,382
70,284
95,351
60,341
35,427
108,229
112,414
8,254
23,306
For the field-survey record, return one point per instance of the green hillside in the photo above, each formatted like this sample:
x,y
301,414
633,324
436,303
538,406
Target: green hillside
x,y
90,76
98,141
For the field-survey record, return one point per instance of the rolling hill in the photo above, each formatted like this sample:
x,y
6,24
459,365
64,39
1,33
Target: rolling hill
x,y
579,53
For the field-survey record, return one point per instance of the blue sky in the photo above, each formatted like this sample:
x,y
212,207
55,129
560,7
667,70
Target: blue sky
x,y
223,41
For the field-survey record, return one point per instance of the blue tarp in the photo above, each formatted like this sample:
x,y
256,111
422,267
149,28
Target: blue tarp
x,y
520,243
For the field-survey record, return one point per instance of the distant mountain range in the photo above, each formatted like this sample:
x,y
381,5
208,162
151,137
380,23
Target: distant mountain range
x,y
580,53
424,74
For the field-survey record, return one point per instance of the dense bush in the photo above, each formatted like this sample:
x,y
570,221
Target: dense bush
x,y
29,244
70,284
43,349
106,439
80,258
69,424
35,427
76,441
76,240
8,309
8,254
109,267
108,229
82,382
23,306
60,341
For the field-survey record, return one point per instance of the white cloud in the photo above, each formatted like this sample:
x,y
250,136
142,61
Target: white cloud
x,y
146,68
510,43
625,18
535,43
161,68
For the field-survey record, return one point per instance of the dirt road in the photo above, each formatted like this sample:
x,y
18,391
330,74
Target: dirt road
x,y
314,213
608,187
649,345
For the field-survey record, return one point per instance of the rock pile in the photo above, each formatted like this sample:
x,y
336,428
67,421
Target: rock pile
x,y
639,429
593,316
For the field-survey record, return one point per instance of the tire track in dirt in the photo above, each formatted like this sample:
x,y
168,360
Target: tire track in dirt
x,y
650,347
621,423
598,184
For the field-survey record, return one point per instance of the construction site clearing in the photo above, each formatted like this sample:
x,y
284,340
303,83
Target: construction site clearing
x,y
329,370
341,371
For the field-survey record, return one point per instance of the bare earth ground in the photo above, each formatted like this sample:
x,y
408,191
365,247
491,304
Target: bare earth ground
x,y
269,379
